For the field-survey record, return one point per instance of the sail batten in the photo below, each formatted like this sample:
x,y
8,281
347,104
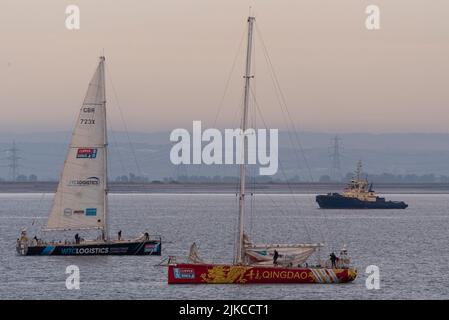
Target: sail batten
x,y
79,201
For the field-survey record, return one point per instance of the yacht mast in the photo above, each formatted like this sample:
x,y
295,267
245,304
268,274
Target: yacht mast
x,y
239,254
106,222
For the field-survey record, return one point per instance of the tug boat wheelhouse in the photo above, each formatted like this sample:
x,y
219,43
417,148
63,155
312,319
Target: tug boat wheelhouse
x,y
264,263
80,202
359,194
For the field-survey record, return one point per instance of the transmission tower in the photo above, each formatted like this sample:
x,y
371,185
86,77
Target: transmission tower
x,y
180,172
13,158
336,146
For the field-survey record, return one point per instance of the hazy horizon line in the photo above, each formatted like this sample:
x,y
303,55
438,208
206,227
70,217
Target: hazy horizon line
x,y
222,128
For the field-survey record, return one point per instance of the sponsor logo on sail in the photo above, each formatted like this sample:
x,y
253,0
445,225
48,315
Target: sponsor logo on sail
x,y
91,181
184,273
86,153
67,212
78,212
91,211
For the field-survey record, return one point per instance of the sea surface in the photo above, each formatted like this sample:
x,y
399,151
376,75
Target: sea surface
x,y
409,246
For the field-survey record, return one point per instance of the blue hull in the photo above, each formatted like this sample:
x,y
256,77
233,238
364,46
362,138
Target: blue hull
x,y
337,201
149,247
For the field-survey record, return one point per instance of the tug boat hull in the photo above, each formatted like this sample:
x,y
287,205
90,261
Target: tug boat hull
x,y
149,247
337,201
187,273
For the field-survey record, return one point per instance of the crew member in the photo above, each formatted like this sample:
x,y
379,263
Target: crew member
x,y
333,259
23,236
275,257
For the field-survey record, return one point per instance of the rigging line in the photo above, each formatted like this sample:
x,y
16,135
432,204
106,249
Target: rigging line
x,y
236,226
283,105
254,126
289,129
278,90
220,106
238,111
252,200
281,166
124,122
277,84
114,142
291,192
139,171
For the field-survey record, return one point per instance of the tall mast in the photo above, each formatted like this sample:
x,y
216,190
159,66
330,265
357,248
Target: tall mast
x,y
239,254
106,222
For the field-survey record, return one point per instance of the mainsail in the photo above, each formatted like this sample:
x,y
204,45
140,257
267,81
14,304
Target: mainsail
x,y
80,200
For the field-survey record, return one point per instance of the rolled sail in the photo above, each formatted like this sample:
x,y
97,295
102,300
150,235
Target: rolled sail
x,y
288,254
79,201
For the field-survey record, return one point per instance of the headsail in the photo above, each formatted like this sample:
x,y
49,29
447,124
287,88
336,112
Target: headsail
x,y
193,254
80,200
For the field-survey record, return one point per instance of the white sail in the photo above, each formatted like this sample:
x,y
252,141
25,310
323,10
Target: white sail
x,y
288,254
193,254
80,199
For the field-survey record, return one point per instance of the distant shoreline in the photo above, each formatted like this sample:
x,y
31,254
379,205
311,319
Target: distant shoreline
x,y
192,188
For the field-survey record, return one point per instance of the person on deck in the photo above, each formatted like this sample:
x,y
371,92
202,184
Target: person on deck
x,y
23,236
333,259
119,235
77,238
146,236
275,257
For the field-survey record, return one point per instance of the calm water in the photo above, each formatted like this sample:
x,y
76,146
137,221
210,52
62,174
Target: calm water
x,y
409,246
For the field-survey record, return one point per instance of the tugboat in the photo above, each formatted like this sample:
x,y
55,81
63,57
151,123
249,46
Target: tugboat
x,y
359,194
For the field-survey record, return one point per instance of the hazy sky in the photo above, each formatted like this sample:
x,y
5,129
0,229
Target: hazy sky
x,y
169,61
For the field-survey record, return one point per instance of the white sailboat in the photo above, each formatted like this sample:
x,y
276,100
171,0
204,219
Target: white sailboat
x,y
81,199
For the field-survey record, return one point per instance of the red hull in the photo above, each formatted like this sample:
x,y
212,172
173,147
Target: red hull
x,y
225,274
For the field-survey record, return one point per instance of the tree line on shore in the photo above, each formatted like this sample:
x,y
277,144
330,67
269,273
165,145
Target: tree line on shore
x,y
374,178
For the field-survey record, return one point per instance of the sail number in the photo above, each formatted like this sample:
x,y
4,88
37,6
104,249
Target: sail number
x,y
87,121
88,110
